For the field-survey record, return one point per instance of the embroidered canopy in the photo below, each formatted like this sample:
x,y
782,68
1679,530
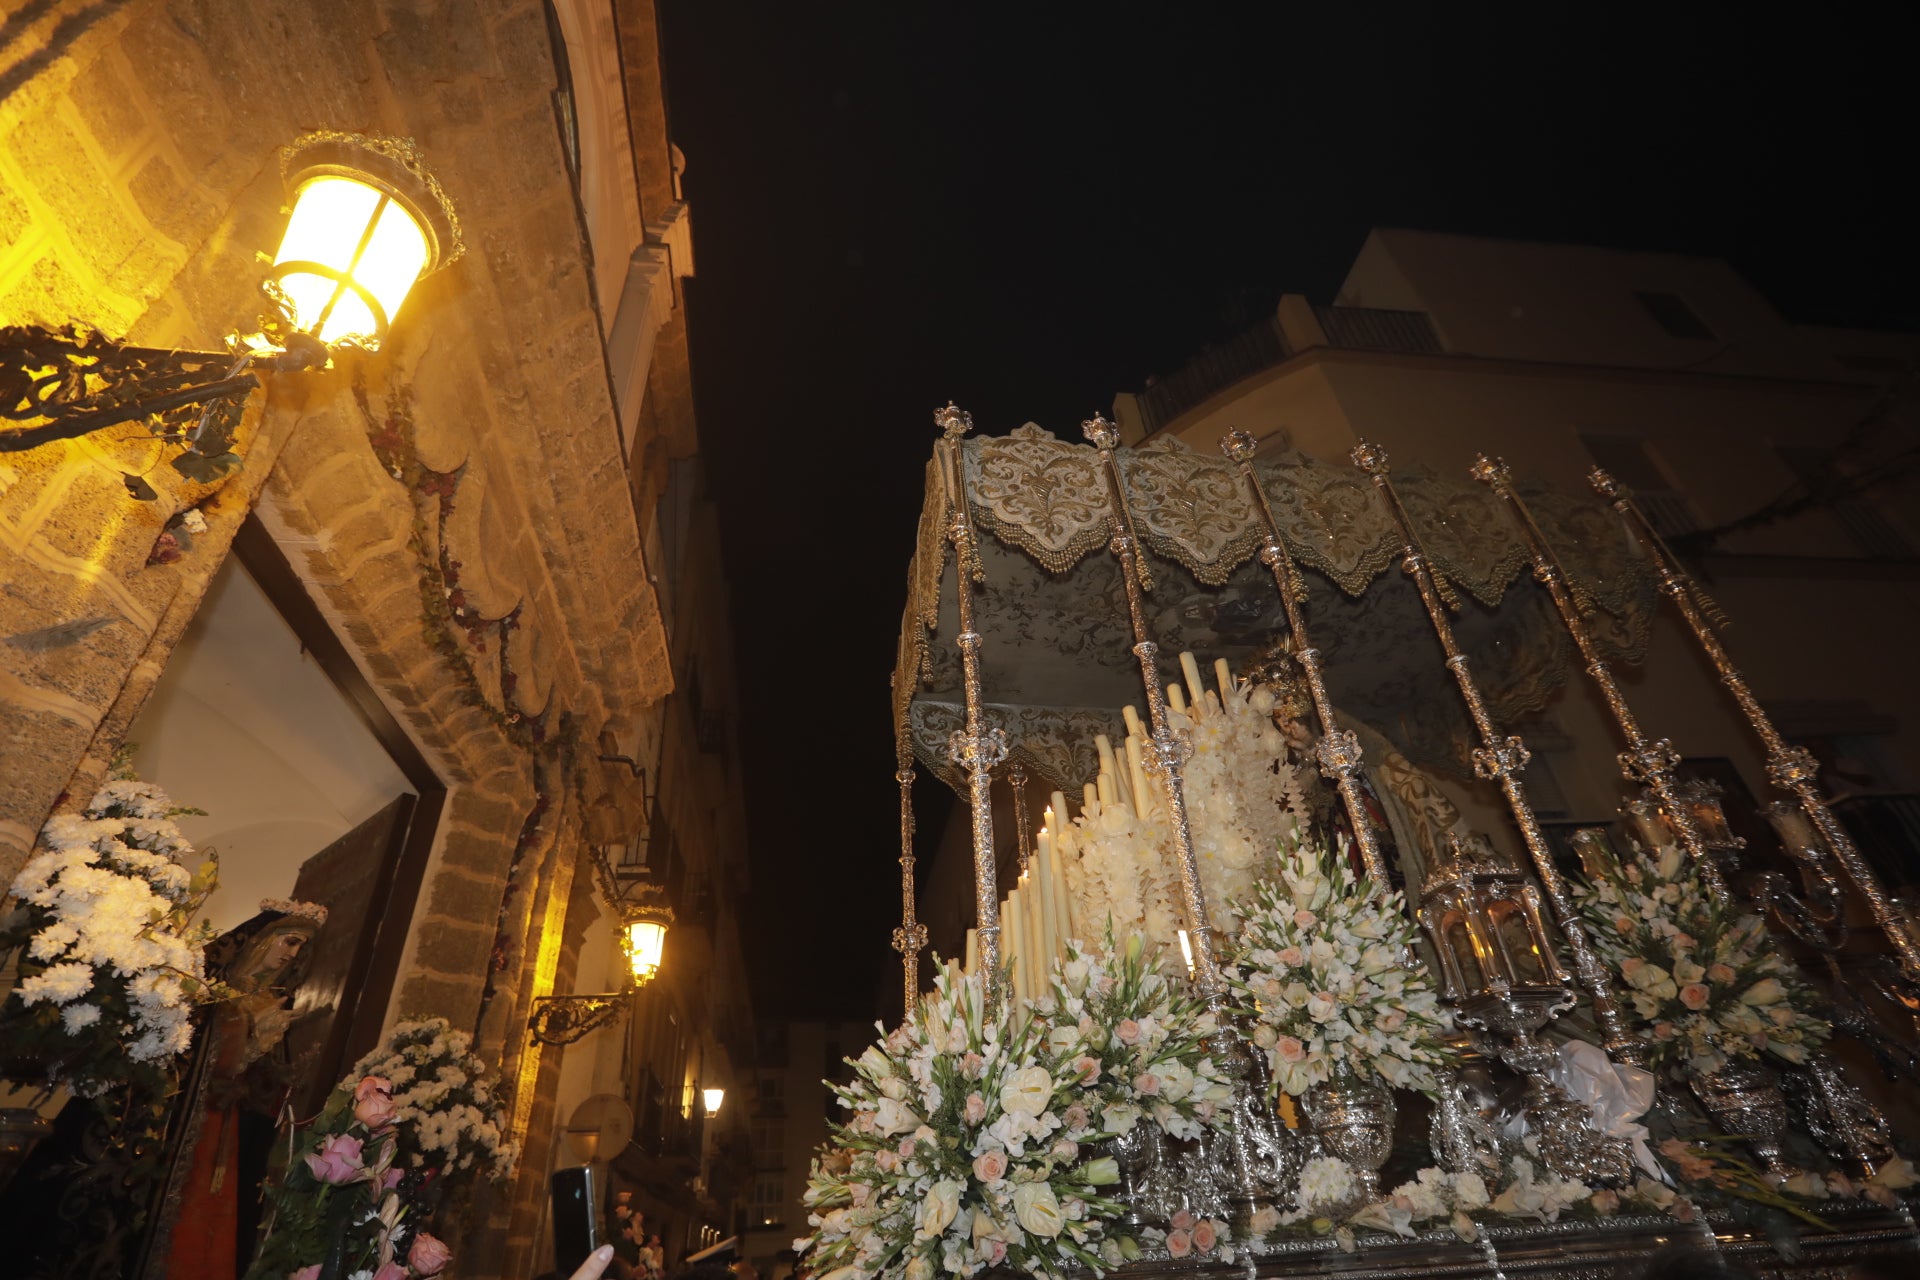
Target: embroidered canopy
x,y
1057,662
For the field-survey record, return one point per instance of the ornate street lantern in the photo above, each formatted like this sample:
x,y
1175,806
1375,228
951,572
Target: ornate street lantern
x,y
367,221
643,941
713,1097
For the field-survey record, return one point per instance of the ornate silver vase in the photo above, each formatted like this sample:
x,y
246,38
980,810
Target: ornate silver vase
x,y
1353,1119
1130,1152
1745,1101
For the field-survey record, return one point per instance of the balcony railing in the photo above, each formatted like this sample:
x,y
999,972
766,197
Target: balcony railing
x,y
1264,345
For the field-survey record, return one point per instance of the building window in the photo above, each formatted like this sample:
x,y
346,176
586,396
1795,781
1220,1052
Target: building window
x,y
1671,312
1626,457
1872,534
769,1200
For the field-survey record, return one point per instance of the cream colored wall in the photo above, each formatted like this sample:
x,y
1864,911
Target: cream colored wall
x,y
246,726
1797,638
607,189
1524,301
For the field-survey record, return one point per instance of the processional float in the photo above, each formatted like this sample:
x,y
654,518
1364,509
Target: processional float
x,y
1021,646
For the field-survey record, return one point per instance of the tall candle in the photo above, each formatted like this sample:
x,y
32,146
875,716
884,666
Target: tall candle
x,y
1196,687
1104,745
1089,800
1056,900
1108,793
1057,814
1038,932
1177,697
973,951
1142,798
1015,922
1224,674
1064,913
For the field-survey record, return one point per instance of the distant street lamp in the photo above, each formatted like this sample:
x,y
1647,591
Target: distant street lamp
x,y
367,222
713,1098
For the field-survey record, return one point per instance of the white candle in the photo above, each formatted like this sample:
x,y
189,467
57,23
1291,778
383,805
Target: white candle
x,y
973,951
1196,688
1013,930
1142,798
1064,915
1057,811
1038,932
1108,793
1224,674
1089,800
1104,745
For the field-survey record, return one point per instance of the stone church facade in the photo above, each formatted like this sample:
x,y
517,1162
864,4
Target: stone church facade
x,y
497,519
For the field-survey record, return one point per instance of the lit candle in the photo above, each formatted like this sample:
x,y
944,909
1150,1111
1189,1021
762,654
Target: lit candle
x,y
1186,951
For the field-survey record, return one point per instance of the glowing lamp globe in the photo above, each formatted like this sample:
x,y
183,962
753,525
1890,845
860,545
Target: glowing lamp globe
x,y
368,222
713,1098
646,940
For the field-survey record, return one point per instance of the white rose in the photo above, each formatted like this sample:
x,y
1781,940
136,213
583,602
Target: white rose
x,y
940,1207
894,1087
1026,1092
1035,1205
892,1116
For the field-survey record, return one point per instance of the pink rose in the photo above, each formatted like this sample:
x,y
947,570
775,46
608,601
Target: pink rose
x,y
311,1272
1720,972
1663,1031
990,1166
1088,1067
1179,1243
1076,1117
1128,1031
906,1147
1681,941
1292,957
1182,1221
1204,1237
1393,1020
1305,919
1066,1149
887,1160
392,1179
1694,995
373,1102
1147,1082
998,1253
1289,1049
428,1255
1623,924
972,1066
1606,1203
392,1269
1682,1209
336,1160
976,1108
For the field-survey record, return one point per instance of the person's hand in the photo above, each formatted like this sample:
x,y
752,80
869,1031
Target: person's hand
x,y
595,1265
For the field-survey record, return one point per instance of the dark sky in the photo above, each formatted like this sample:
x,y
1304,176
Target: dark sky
x,y
1027,209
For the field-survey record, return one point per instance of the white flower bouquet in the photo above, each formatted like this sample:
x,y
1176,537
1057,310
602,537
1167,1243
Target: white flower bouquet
x,y
1326,974
964,1150
1704,982
1136,1041
412,1122
111,963
446,1109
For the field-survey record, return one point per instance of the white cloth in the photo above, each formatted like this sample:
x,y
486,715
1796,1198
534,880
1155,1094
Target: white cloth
x,y
1617,1095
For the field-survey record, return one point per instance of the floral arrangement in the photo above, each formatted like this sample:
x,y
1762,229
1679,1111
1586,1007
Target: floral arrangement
x,y
111,962
1242,795
967,1147
1133,1039
1242,801
1705,983
1323,974
410,1124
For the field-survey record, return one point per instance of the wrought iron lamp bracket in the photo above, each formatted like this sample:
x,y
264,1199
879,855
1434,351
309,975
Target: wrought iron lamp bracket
x,y
561,1020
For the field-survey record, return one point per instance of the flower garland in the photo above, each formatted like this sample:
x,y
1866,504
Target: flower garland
x,y
964,1150
1135,1040
1704,981
112,964
1322,973
412,1122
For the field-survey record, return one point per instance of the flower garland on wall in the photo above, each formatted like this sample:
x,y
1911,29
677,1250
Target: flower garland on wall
x,y
444,607
111,963
412,1124
1324,973
1705,982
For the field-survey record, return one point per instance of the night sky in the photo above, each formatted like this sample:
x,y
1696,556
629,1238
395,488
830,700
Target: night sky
x,y
1027,209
